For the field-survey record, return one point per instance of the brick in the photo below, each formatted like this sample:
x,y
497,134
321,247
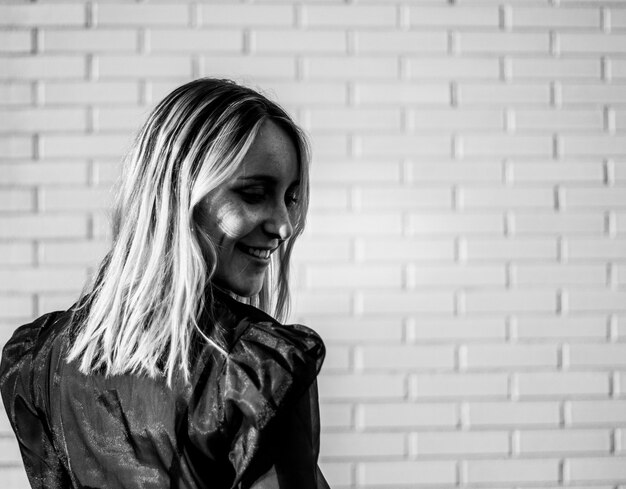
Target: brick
x,y
10,451
457,172
406,472
598,412
42,226
16,146
453,16
563,384
349,16
620,274
15,254
14,477
15,306
602,197
351,67
524,223
559,275
356,330
77,199
246,15
310,93
195,40
407,249
405,358
15,94
457,276
596,469
83,93
143,66
15,200
338,359
620,223
618,69
599,43
362,386
407,415
350,224
249,67
555,68
329,198
597,300
402,93
404,145
506,357
43,120
514,414
505,43
512,301
42,67
455,223
38,15
335,416
316,250
602,249
73,252
397,197
290,41
505,197
456,119
403,302
523,471
568,441
357,119
505,145
511,249
363,445
453,68
592,94
398,42
441,386
354,276
84,146
329,146
337,474
457,329
559,120
329,302
555,17
141,15
462,443
618,18
556,173
119,118
562,328
56,301
16,41
598,355
23,280
91,40
503,94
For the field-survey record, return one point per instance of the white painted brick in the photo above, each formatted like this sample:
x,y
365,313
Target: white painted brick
x,y
533,119
402,93
329,198
457,329
402,302
363,445
538,275
464,385
570,328
618,69
310,93
322,250
15,306
14,477
75,198
141,15
416,415
409,472
560,384
337,359
620,120
511,249
401,42
513,414
568,441
618,17
73,252
338,474
457,276
83,93
597,355
350,224
522,471
362,386
592,43
479,145
555,17
555,68
593,94
453,68
230,14
503,94
512,301
602,249
9,450
84,146
453,16
335,416
354,276
289,41
38,226
596,469
556,223
16,254
407,249
143,66
360,330
349,16
456,223
16,147
406,358
14,200
505,357
596,300
91,40
328,302
404,145
56,301
119,118
457,172
356,119
43,119
329,146
36,15
620,223
456,119
462,443
15,94
351,67
496,42
245,68
195,40
16,41
383,197
505,197
575,197
23,280
42,67
547,172
598,412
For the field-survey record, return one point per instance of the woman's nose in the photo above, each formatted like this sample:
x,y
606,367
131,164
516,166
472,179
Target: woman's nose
x,y
278,223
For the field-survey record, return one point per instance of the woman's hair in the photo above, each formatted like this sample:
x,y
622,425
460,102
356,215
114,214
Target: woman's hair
x,y
152,288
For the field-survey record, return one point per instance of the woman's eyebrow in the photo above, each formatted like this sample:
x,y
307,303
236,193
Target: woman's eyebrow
x,y
263,178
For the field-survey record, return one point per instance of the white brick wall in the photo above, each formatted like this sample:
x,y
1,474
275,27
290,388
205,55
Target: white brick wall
x,y
466,255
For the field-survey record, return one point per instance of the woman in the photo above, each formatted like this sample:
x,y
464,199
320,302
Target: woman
x,y
165,374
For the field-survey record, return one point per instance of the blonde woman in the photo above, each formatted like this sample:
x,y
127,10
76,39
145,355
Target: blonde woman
x,y
169,371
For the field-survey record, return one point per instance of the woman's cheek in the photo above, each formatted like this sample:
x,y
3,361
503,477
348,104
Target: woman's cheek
x,y
233,220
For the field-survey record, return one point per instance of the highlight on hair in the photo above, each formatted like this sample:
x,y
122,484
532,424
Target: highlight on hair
x,y
146,301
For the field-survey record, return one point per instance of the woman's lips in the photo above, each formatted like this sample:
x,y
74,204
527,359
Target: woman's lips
x,y
260,253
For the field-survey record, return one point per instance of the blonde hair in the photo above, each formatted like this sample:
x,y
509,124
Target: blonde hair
x,y
152,288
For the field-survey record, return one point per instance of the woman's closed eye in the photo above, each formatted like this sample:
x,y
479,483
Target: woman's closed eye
x,y
253,195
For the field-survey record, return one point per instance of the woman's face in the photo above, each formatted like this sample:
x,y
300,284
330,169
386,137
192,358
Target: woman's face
x,y
250,216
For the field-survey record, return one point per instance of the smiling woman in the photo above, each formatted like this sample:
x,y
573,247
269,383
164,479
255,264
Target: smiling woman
x,y
170,371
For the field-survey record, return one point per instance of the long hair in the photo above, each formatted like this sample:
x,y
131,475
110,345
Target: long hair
x,y
148,296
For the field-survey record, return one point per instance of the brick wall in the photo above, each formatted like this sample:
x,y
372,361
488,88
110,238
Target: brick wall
x,y
466,254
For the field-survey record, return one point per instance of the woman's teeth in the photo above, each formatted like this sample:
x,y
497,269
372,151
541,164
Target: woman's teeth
x,y
259,253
